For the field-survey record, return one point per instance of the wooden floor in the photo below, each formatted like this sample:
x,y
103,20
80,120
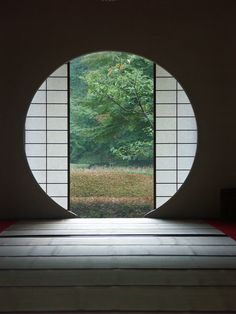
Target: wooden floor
x,y
116,266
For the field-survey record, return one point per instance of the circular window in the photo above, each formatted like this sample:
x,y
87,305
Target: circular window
x,y
110,134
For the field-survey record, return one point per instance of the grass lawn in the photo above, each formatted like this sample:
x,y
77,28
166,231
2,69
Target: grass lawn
x,y
111,192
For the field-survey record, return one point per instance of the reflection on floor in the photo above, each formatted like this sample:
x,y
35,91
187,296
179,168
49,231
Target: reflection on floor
x,y
116,266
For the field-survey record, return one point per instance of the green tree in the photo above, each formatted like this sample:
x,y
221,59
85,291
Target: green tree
x,y
112,113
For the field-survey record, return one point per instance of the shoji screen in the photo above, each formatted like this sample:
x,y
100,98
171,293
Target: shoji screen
x,y
176,136
46,136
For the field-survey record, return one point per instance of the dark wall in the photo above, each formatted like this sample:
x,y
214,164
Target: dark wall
x,y
194,40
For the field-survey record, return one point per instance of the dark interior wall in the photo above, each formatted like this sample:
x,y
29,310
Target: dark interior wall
x,y
193,40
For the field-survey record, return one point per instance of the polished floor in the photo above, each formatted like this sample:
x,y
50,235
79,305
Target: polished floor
x,y
116,266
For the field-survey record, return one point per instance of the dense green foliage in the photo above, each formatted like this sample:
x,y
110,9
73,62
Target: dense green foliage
x,y
111,110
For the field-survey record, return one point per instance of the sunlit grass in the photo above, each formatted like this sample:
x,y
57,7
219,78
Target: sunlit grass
x,y
85,167
111,192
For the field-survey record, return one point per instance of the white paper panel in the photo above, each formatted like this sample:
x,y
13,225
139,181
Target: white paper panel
x,y
166,84
35,150
62,71
166,137
182,97
167,150
37,110
185,110
168,163
40,176
166,124
187,123
57,97
186,149
43,186
62,201
57,189
43,86
56,110
185,162
57,123
165,110
179,87
57,83
35,124
39,97
182,175
165,97
176,128
165,176
37,163
161,72
35,137
54,117
57,163
165,189
187,136
57,176
57,150
161,200
57,136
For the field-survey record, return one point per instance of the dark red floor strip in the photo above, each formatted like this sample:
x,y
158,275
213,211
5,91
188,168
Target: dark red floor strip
x,y
4,224
227,227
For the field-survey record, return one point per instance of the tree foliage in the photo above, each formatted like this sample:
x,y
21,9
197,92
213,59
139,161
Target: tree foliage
x,y
111,109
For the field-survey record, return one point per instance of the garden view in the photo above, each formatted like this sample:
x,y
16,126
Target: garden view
x,y
111,135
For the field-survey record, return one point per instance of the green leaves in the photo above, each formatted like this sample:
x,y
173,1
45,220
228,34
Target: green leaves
x,y
112,107
138,151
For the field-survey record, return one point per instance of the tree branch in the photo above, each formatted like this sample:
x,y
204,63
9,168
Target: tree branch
x,y
141,106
